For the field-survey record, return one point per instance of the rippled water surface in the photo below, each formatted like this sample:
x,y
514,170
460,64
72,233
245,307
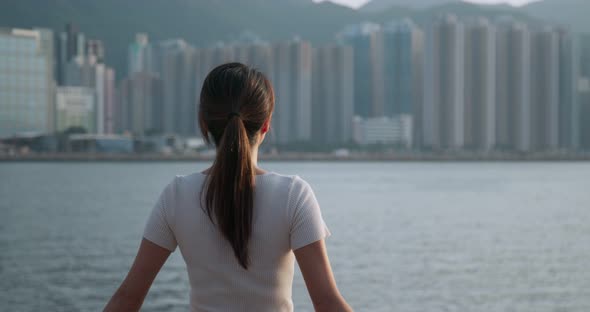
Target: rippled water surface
x,y
405,236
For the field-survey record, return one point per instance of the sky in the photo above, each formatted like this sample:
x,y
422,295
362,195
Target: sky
x,y
358,3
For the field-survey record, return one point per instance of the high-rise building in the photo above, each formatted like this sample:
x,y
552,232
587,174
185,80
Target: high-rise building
x,y
75,107
584,92
569,110
95,48
70,44
178,79
138,55
513,92
26,81
369,70
584,53
157,52
403,61
480,85
140,104
173,61
292,83
333,94
545,90
176,63
110,109
442,114
584,100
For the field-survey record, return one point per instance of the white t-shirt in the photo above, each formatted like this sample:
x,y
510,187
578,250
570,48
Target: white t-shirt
x,y
286,217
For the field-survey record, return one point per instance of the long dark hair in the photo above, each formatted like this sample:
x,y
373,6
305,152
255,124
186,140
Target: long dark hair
x,y
235,102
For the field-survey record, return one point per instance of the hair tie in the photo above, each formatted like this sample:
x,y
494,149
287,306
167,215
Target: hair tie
x,y
233,114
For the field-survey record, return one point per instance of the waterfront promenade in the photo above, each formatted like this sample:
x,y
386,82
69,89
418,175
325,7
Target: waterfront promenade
x,y
302,156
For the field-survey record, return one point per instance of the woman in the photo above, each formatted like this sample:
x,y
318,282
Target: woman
x,y
238,227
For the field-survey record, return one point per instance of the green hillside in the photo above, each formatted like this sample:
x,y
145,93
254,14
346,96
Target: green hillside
x,y
205,21
567,12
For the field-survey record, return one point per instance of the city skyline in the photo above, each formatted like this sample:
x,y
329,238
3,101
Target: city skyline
x,y
439,85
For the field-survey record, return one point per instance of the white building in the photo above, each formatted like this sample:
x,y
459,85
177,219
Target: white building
x,y
395,130
75,107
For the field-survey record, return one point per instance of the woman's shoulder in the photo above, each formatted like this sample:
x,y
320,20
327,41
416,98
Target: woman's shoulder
x,y
289,182
186,180
293,184
191,178
182,183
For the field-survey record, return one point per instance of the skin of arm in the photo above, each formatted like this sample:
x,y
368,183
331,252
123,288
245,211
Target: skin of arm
x,y
148,262
319,279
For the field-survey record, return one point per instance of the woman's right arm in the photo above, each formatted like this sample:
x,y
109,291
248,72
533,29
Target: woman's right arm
x,y
319,279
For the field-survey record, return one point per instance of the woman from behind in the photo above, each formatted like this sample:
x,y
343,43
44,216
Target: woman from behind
x,y
239,228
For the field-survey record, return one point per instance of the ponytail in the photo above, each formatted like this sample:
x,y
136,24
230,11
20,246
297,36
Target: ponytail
x,y
235,103
230,188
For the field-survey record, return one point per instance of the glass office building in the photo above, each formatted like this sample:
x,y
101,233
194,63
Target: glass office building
x,y
26,81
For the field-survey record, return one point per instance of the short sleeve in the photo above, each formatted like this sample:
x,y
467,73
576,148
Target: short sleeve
x,y
158,229
307,224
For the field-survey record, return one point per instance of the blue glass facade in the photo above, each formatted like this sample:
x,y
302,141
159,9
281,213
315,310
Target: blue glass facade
x,y
26,81
399,62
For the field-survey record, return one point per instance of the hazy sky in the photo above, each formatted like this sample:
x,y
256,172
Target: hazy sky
x,y
357,3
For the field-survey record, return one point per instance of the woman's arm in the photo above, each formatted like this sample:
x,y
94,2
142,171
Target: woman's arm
x,y
319,279
147,264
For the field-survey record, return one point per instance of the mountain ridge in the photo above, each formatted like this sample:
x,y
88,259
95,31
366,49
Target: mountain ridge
x,y
380,5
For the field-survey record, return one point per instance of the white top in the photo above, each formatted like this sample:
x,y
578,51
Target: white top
x,y
286,217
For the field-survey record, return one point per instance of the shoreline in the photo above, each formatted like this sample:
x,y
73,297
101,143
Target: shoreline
x,y
300,157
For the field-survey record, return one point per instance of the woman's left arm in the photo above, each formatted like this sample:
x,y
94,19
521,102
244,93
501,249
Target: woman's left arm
x,y
148,262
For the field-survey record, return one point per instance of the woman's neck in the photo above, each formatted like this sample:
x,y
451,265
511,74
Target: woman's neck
x,y
254,156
